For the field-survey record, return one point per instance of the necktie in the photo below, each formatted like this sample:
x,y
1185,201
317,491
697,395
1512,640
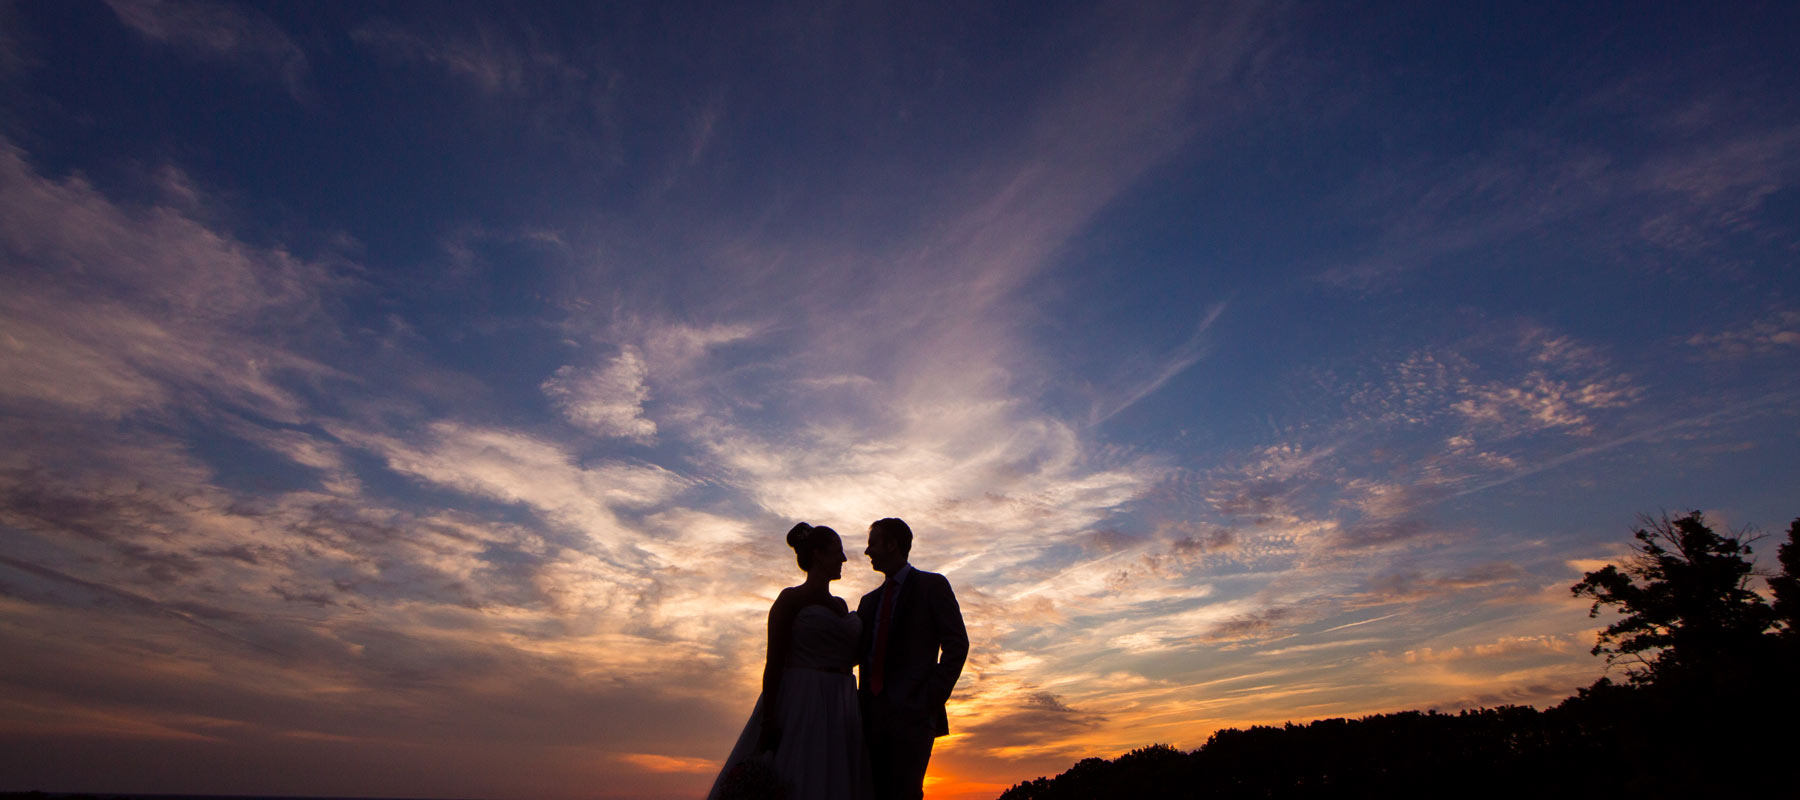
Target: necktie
x,y
878,663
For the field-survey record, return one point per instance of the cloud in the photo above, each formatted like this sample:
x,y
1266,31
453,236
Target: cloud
x,y
1264,489
156,256
527,72
513,467
339,617
1717,187
1476,668
1531,381
112,311
1381,531
1538,402
306,449
608,400
1735,410
1386,512
1411,585
1030,723
660,763
1571,382
485,57
170,533
1225,622
1686,184
1188,354
1249,626
1500,648
110,597
1317,647
218,31
1438,207
15,56
1776,333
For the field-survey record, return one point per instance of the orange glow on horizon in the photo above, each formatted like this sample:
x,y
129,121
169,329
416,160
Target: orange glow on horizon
x,y
651,762
948,787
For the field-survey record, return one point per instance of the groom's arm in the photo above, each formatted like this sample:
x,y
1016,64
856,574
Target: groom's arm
x,y
952,639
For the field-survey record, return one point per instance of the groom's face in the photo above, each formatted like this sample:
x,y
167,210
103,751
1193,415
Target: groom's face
x,y
883,552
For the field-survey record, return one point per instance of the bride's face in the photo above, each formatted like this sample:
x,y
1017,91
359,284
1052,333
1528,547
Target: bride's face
x,y
830,558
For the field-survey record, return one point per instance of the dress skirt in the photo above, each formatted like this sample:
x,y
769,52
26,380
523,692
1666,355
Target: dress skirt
x,y
821,754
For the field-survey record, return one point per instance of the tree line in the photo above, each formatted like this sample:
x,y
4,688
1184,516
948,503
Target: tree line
x,y
1707,708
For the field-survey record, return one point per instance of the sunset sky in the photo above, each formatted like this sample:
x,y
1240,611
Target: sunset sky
x,y
411,398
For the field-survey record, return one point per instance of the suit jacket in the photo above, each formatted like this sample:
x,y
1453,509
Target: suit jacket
x,y
926,648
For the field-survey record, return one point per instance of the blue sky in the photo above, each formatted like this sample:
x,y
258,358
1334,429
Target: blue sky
x,y
410,399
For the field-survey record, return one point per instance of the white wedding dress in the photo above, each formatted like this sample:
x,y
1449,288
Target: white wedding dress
x,y
821,754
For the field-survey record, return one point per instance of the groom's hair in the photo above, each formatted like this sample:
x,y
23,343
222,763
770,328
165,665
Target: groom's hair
x,y
895,528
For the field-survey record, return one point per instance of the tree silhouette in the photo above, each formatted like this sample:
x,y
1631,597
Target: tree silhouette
x,y
1786,586
1685,596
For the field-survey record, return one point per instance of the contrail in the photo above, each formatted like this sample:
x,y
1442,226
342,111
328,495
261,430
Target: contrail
x,y
1187,355
1364,622
131,598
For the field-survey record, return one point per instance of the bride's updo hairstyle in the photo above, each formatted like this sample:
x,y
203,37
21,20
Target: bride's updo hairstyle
x,y
805,539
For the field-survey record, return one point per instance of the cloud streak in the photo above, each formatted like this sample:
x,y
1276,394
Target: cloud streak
x,y
220,32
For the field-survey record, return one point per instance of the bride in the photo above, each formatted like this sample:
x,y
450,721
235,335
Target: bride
x,y
807,717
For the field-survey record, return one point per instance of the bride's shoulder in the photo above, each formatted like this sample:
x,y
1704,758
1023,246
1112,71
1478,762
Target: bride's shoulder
x,y
789,600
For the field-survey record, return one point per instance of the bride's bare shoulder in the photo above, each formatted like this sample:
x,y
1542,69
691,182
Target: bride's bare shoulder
x,y
788,601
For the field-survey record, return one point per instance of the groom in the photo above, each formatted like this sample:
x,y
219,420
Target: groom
x,y
907,622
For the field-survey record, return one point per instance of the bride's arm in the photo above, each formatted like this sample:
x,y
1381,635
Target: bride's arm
x,y
781,630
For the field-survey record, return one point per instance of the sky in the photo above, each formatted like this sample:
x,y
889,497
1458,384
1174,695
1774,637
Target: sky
x,y
410,399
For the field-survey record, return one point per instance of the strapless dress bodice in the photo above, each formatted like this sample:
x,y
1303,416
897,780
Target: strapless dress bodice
x,y
824,639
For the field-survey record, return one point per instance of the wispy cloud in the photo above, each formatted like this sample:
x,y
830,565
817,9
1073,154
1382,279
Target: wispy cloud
x,y
212,30
1651,432
513,467
510,64
606,400
114,310
1186,355
1777,333
1687,187
485,57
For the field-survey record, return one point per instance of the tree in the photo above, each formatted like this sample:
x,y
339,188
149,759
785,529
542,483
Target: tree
x,y
1686,600
1786,586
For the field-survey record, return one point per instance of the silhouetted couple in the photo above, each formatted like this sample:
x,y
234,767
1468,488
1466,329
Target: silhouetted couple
x,y
814,733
